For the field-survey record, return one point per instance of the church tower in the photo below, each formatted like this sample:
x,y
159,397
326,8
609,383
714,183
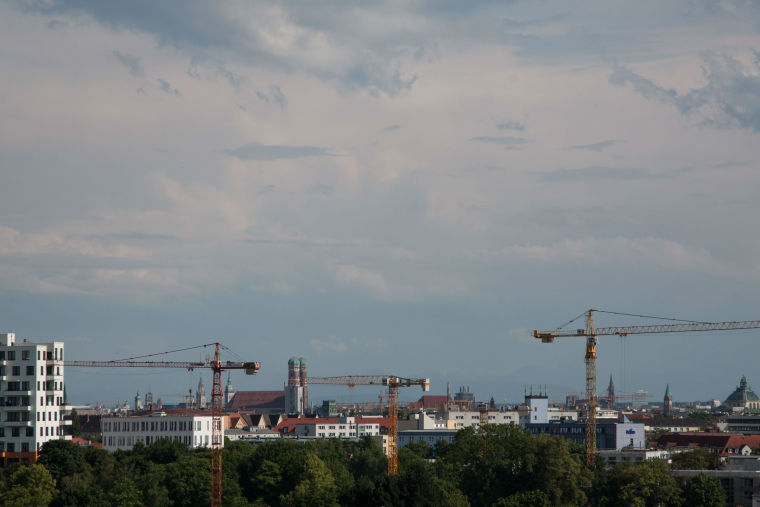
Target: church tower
x,y
667,402
200,395
138,402
611,394
229,391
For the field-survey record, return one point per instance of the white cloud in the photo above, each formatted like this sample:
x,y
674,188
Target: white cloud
x,y
645,252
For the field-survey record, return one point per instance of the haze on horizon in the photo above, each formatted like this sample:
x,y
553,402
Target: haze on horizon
x,y
382,187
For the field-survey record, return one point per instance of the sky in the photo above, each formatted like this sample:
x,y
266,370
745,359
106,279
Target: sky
x,y
404,188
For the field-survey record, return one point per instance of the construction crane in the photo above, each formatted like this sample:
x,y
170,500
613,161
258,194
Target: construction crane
x,y
217,366
590,333
393,383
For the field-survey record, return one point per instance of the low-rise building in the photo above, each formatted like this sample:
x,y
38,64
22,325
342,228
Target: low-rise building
x,y
190,427
432,437
740,479
340,427
746,424
609,434
628,455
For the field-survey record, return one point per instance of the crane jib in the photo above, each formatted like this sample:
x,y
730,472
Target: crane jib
x,y
548,336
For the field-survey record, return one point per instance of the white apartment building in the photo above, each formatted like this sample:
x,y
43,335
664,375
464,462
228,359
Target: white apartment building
x,y
31,397
458,419
192,428
338,427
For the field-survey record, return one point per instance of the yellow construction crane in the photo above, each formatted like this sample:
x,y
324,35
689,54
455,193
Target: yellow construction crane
x,y
393,383
590,333
217,366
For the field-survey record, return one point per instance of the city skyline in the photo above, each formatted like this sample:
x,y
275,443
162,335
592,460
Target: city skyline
x,y
383,188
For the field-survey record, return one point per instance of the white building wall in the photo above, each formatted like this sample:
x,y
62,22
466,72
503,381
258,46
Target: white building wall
x,y
458,419
124,432
31,394
345,428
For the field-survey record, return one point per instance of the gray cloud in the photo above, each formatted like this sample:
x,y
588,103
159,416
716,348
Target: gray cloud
x,y
597,173
207,31
517,23
55,24
511,125
730,98
600,146
165,86
391,128
503,140
274,94
131,62
257,151
235,80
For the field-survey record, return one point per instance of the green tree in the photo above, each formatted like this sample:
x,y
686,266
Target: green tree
x,y
525,499
316,488
31,486
419,448
642,485
696,459
76,424
124,493
62,458
704,491
188,481
417,485
165,450
498,460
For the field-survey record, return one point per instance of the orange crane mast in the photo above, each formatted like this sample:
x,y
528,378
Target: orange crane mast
x,y
393,383
217,367
590,333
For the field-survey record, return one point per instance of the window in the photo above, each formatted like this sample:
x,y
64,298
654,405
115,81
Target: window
x,y
11,355
16,371
2,355
25,355
30,370
30,432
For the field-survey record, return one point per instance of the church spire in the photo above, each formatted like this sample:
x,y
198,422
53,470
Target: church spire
x,y
667,402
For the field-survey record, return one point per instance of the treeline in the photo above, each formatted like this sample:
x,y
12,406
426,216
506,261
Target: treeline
x,y
499,465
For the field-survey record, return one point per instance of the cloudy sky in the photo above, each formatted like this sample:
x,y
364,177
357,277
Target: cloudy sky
x,y
403,187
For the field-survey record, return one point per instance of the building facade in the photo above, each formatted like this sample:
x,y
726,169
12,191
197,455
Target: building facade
x,y
432,437
192,428
609,435
343,427
32,401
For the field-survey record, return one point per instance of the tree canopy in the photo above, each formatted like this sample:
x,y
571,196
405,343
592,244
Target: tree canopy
x,y
495,465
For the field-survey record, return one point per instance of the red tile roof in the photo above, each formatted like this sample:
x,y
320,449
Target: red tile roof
x,y
430,402
718,442
247,400
83,442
